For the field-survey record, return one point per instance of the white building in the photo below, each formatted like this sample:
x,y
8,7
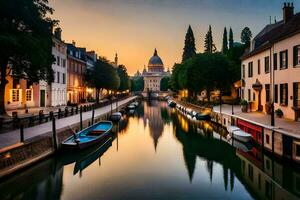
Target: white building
x,y
155,73
58,89
271,68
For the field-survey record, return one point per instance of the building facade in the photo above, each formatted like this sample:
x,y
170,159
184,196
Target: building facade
x,y
271,67
91,59
154,74
58,88
76,68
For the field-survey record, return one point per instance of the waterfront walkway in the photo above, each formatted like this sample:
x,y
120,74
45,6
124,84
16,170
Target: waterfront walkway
x,y
285,125
13,137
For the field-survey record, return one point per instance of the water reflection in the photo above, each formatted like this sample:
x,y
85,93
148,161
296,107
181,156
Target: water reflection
x,y
194,160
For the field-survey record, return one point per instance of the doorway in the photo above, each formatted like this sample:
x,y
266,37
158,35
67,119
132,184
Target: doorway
x,y
42,98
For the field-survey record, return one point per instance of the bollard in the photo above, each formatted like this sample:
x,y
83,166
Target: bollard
x,y
72,111
76,110
21,132
89,124
80,117
93,115
66,111
41,116
54,135
51,115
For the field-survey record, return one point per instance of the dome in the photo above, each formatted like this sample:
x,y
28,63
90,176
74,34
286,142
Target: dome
x,y
155,60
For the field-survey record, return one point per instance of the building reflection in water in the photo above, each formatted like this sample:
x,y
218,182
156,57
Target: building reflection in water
x,y
42,181
263,177
154,119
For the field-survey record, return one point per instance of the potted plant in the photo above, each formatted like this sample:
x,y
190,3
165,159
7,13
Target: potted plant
x,y
279,113
244,105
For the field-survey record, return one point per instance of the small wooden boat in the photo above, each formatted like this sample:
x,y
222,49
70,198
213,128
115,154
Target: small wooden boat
x,y
117,116
89,136
202,116
241,136
231,129
171,104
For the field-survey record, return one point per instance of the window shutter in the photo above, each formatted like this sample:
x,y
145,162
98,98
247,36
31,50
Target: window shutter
x,y
275,61
295,55
287,94
280,60
281,86
287,59
295,95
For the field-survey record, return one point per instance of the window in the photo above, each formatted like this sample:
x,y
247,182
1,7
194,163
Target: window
x,y
16,83
250,172
267,64
250,69
284,59
296,95
275,61
64,62
249,94
243,95
243,71
284,94
254,96
296,58
15,95
258,66
298,150
58,77
28,94
267,88
64,78
276,94
58,60
268,139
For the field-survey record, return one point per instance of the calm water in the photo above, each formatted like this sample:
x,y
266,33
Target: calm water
x,y
158,154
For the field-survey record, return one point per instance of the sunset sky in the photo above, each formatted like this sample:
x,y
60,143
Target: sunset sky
x,y
133,28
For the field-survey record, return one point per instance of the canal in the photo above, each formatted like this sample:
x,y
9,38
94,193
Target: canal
x,y
156,153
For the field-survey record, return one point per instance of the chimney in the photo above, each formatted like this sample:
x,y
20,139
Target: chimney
x,y
57,33
74,43
288,11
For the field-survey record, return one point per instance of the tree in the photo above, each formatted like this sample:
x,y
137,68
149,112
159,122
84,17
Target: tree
x,y
124,78
165,83
234,54
177,80
209,46
230,38
102,76
26,42
208,72
189,49
137,84
246,36
225,41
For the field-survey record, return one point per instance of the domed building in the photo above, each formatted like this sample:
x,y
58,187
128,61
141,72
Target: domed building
x,y
154,74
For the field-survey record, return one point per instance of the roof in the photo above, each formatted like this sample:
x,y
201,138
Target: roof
x,y
155,60
273,33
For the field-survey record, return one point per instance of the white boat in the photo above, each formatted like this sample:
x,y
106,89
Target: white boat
x,y
117,116
131,107
231,129
241,136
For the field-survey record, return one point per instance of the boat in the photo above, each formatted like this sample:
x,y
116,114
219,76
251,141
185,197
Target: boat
x,y
244,146
136,103
131,107
202,116
171,104
89,136
231,129
117,116
241,136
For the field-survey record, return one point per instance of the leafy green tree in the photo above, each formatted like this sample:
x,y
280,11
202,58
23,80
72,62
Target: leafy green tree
x,y
26,42
189,49
234,54
177,80
209,46
137,84
246,36
102,76
124,78
165,83
231,41
208,72
225,41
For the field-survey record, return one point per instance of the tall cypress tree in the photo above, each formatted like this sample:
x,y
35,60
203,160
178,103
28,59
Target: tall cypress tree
x,y
209,46
225,41
230,39
189,49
